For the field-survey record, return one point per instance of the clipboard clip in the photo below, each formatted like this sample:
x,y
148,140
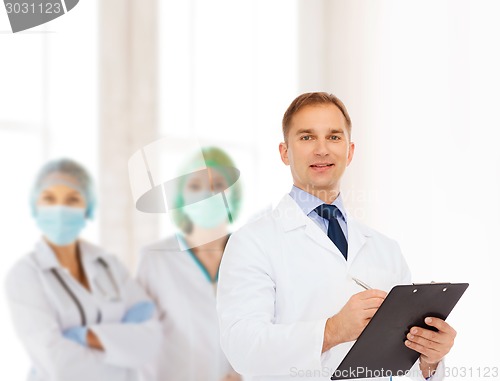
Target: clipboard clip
x,y
424,284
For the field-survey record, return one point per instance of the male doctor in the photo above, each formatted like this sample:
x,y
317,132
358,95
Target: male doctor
x,y
287,304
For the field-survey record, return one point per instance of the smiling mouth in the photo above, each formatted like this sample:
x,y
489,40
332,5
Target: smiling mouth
x,y
320,165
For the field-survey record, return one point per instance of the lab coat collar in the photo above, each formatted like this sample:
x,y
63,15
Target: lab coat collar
x,y
290,214
308,202
44,256
90,252
292,217
47,260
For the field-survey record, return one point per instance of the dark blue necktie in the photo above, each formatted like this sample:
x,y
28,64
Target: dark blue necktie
x,y
335,233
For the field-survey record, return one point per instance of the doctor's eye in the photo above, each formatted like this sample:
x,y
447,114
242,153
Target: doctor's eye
x,y
219,186
73,200
194,186
47,198
335,137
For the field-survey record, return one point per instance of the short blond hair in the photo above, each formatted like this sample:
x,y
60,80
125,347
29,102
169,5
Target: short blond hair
x,y
312,99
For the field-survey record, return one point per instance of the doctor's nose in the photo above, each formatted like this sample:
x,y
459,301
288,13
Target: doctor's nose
x,y
320,148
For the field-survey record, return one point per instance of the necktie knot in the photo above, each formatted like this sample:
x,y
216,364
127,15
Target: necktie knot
x,y
328,212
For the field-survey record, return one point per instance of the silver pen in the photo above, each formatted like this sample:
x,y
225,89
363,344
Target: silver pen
x,y
361,283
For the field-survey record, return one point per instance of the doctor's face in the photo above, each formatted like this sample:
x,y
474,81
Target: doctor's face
x,y
318,150
61,195
201,184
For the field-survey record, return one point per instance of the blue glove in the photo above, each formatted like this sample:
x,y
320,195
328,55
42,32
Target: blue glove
x,y
139,313
77,334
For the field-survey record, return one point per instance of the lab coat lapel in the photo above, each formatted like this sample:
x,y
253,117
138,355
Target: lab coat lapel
x,y
357,237
314,232
45,257
90,254
96,270
292,217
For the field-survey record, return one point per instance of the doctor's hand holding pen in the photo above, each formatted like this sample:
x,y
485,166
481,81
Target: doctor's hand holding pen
x,y
433,346
353,318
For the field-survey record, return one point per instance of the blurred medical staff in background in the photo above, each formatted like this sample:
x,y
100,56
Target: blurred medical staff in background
x,y
180,272
75,308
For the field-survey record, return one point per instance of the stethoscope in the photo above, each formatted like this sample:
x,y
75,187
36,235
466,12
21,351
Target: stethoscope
x,y
83,317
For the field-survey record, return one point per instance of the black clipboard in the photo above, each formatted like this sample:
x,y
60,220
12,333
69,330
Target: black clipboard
x,y
380,350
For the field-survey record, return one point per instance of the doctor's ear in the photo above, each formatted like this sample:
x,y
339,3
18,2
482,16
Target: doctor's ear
x,y
284,153
350,152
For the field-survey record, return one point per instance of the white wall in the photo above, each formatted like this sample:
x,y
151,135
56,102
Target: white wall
x,y
228,71
421,82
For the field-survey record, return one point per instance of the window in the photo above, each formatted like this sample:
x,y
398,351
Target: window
x,y
228,71
48,100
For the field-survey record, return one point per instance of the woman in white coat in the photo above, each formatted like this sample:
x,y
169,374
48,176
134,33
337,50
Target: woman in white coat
x,y
75,308
180,273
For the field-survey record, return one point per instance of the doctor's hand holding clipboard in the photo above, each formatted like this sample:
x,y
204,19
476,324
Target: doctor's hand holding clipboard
x,y
353,318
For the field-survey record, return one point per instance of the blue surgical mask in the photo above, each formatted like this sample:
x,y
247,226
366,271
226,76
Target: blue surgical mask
x,y
207,210
60,224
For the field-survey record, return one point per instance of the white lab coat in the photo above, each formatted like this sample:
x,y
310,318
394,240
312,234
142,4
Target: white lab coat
x,y
281,277
186,301
41,309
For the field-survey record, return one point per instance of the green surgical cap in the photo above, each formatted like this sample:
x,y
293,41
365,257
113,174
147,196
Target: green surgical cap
x,y
212,157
